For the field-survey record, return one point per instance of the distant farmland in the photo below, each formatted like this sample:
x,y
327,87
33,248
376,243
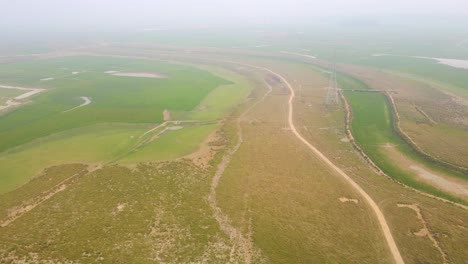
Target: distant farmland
x,y
54,128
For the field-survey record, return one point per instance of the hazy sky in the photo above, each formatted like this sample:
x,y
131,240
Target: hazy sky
x,y
161,13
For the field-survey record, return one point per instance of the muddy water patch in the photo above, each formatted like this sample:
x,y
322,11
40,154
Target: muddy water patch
x,y
86,101
139,74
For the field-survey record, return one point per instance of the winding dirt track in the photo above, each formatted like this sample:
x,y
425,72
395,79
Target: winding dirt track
x,y
225,222
380,217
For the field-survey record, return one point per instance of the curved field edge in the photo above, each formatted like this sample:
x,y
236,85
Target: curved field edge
x,y
94,144
115,99
366,136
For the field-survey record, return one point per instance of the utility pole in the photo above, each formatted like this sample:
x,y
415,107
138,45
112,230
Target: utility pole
x,y
332,89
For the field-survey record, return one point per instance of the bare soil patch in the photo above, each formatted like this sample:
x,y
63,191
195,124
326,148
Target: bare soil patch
x,y
446,183
440,181
202,157
166,115
344,200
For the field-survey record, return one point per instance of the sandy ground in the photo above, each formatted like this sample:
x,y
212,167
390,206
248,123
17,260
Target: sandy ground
x,y
344,200
441,182
15,101
206,151
139,74
86,100
166,115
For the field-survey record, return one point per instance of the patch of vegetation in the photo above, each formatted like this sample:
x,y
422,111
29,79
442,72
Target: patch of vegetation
x,y
153,213
37,186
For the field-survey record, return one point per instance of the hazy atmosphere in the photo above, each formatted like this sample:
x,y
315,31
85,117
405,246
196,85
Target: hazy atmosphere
x,y
89,14
237,131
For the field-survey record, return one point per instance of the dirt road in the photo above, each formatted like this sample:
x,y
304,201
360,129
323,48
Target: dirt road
x,y
380,217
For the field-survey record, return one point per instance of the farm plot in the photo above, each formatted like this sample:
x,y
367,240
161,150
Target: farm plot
x,y
96,117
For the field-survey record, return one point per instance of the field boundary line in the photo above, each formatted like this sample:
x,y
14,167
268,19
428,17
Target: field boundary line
x,y
403,135
32,203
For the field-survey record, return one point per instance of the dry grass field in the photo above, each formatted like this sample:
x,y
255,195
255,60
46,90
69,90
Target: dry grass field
x,y
261,195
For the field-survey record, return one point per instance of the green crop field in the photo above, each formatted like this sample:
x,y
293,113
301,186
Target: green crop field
x,y
43,133
372,127
114,98
94,144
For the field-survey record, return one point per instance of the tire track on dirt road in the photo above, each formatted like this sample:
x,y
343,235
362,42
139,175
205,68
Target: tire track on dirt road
x,y
380,217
